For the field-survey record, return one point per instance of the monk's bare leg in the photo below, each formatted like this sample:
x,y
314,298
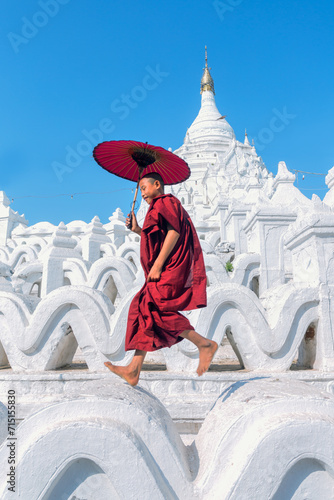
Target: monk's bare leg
x,y
131,372
206,347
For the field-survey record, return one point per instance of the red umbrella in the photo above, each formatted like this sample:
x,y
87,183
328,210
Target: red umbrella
x,y
131,160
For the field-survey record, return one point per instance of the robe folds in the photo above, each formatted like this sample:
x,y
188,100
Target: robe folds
x,y
154,320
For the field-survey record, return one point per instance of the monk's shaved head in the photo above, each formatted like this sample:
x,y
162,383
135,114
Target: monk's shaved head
x,y
154,176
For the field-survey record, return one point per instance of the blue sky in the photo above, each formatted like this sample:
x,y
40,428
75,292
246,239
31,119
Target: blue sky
x,y
69,64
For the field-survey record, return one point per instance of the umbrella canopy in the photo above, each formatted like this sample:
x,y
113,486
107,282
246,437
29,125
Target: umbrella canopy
x,y
131,160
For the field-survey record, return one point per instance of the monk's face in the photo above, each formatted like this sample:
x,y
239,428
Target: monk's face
x,y
149,189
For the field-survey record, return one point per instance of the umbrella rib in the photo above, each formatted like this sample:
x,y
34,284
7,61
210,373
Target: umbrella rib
x,y
120,167
111,154
168,168
129,170
165,167
125,168
167,176
110,162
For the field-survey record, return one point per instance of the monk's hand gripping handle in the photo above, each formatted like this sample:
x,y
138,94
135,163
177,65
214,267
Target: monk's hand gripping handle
x,y
129,224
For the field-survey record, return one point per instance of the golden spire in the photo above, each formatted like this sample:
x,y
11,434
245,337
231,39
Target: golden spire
x,y
207,81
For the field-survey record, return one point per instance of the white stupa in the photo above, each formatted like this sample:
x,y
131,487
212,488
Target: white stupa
x,y
212,151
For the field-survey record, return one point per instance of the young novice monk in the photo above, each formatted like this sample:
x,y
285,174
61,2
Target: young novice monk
x,y
173,264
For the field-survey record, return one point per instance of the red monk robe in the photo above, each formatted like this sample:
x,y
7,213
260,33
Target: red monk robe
x,y
154,321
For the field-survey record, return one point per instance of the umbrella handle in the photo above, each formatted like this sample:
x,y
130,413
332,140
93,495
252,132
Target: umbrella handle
x,y
135,198
129,226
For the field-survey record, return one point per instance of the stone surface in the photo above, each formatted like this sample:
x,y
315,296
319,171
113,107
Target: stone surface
x,y
252,444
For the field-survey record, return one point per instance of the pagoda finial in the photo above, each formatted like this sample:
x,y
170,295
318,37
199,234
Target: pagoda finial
x,y
207,80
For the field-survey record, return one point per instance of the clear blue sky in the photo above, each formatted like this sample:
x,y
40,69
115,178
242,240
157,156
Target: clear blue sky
x,y
70,73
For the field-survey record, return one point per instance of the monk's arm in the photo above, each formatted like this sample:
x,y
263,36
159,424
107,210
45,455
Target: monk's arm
x,y
168,245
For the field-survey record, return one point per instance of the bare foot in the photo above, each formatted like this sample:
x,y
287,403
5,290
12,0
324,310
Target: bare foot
x,y
206,353
131,376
